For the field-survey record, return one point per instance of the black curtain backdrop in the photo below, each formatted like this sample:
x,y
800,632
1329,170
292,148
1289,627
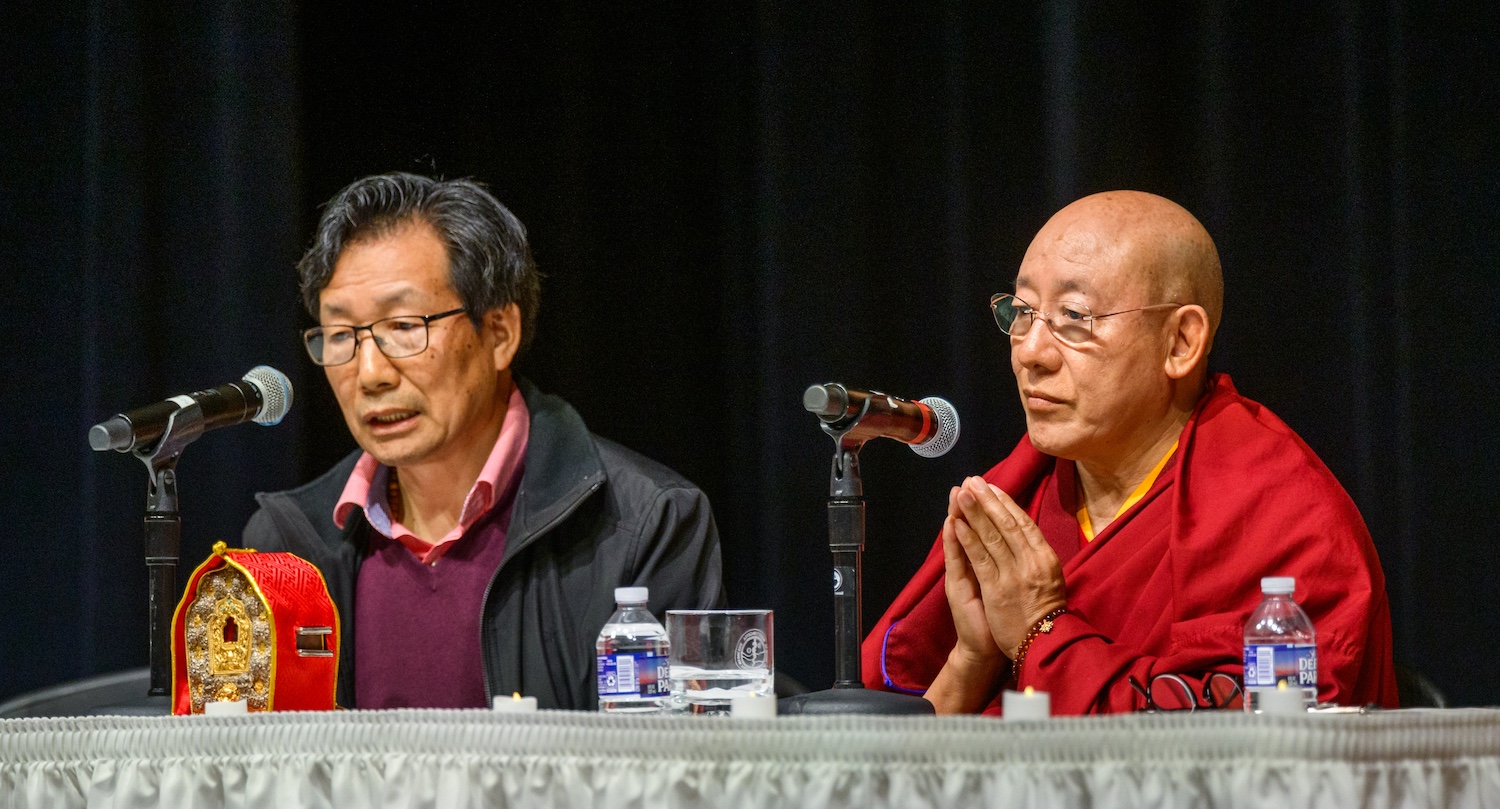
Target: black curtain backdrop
x,y
149,164
730,202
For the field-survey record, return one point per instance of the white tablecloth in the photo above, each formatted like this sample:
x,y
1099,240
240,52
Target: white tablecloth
x,y
475,758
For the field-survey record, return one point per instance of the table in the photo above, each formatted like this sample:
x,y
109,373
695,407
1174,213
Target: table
x,y
427,758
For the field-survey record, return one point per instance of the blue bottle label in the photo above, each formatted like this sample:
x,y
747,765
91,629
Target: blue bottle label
x,y
1267,665
633,675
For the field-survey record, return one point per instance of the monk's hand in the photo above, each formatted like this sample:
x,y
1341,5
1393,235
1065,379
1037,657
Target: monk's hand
x,y
976,647
1016,572
971,675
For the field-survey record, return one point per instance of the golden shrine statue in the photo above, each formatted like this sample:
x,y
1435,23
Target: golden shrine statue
x,y
258,627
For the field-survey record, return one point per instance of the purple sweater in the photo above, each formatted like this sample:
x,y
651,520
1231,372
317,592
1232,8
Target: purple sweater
x,y
416,631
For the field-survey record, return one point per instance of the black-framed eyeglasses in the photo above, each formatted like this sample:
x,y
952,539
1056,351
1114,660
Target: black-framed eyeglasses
x,y
1173,692
1072,323
396,337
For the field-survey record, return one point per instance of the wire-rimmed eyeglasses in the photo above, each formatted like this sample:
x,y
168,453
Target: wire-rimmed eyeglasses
x,y
1174,692
396,337
1071,323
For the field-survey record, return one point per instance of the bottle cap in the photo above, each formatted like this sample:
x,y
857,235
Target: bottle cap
x,y
631,595
1278,585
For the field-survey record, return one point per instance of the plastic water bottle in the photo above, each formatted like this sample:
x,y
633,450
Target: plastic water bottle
x,y
1280,645
634,657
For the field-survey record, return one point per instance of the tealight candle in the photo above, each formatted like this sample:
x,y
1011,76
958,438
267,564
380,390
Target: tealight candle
x,y
515,703
752,706
237,707
1026,705
1281,701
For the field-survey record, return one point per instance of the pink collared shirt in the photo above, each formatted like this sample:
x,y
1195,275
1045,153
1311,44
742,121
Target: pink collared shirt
x,y
367,486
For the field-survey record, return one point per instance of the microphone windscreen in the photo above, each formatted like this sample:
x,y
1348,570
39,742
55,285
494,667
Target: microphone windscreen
x,y
275,394
946,436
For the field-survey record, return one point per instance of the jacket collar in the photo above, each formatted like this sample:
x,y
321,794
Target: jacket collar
x,y
562,467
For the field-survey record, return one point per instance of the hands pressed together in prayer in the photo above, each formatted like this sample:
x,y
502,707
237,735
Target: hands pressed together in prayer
x,y
1001,579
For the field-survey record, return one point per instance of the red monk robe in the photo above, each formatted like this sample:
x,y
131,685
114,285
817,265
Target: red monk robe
x,y
1169,585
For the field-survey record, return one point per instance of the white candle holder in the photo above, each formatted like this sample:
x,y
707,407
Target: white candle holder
x,y
752,706
514,704
1282,702
237,707
1028,705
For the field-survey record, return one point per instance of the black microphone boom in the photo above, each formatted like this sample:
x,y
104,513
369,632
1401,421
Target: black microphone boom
x,y
263,396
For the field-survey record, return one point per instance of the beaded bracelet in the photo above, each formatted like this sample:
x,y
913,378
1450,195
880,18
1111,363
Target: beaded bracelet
x,y
1042,627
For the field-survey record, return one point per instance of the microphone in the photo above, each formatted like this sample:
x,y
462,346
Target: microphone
x,y
263,396
929,426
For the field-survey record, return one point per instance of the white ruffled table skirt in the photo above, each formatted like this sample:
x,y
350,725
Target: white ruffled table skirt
x,y
475,758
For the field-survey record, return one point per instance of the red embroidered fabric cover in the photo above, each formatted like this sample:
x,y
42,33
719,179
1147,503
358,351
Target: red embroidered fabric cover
x,y
258,627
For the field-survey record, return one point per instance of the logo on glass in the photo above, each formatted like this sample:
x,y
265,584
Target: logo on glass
x,y
750,652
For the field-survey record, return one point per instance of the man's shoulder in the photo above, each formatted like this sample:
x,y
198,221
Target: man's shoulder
x,y
1244,451
626,467
565,447
626,493
1242,429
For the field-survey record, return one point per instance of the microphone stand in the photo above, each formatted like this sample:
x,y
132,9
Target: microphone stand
x,y
164,537
846,539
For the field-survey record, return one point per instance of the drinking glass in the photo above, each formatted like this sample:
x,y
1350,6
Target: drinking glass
x,y
718,655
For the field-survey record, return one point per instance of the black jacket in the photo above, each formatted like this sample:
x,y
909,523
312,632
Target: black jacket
x,y
590,515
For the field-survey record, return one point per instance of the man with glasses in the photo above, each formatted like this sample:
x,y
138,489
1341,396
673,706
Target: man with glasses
x,y
1114,557
472,545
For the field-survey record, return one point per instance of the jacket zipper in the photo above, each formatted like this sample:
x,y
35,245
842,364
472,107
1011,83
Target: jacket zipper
x,y
484,663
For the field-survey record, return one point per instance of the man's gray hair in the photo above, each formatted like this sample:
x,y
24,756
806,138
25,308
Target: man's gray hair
x,y
489,261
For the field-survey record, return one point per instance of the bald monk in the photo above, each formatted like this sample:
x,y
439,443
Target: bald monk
x,y
1126,535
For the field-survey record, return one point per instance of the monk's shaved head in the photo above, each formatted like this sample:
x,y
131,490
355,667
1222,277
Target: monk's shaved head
x,y
1156,246
1115,395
